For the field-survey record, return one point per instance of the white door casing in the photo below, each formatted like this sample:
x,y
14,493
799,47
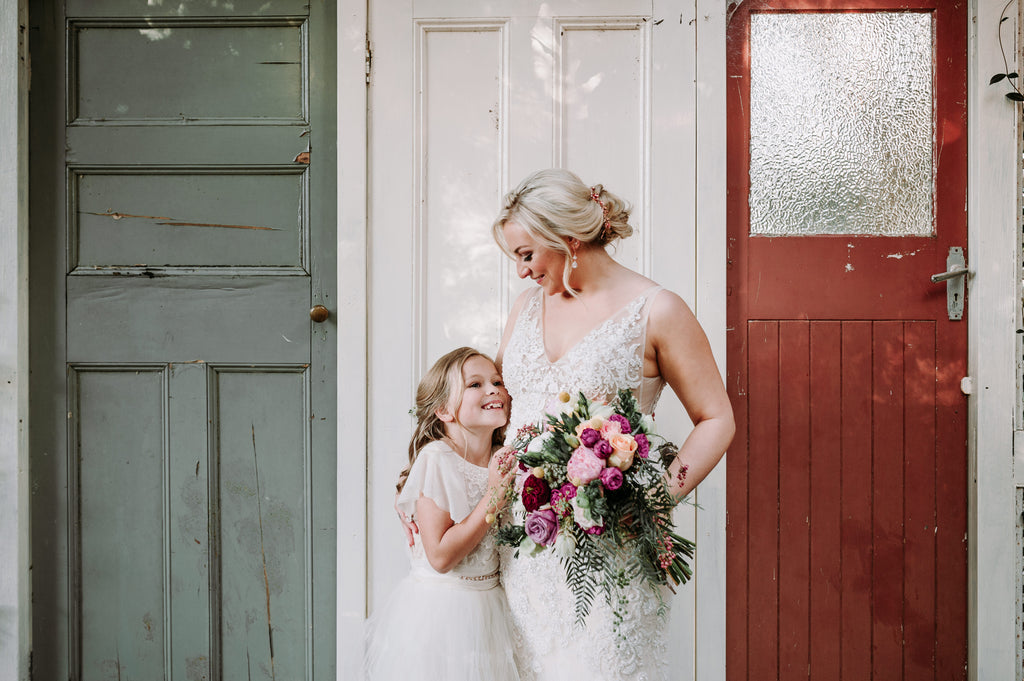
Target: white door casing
x,y
463,103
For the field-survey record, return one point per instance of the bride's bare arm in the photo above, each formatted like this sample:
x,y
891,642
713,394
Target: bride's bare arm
x,y
685,361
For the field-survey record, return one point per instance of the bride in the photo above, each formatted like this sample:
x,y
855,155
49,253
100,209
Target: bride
x,y
594,325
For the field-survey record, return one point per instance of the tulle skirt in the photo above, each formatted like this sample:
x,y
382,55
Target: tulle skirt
x,y
440,630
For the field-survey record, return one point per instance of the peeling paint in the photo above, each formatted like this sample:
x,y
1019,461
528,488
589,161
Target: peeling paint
x,y
175,222
302,158
263,552
213,224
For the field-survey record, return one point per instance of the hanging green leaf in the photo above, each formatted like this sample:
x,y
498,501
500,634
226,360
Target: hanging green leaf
x,y
996,78
1015,96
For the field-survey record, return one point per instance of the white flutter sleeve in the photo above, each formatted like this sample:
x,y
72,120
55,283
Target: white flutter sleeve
x,y
436,475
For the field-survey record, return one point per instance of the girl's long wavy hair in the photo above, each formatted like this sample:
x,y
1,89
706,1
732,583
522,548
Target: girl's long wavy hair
x,y
440,388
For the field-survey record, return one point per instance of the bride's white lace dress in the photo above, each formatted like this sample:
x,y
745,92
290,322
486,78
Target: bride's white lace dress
x,y
549,645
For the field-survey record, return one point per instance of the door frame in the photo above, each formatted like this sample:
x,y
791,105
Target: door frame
x,y
993,317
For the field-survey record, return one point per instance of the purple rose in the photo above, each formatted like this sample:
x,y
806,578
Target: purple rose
x,y
542,527
602,448
643,445
596,529
623,422
611,478
536,493
589,437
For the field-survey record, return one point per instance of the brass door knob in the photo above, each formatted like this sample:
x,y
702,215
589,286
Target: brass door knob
x,y
319,314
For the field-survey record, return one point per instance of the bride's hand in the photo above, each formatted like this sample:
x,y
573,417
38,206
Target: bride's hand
x,y
408,526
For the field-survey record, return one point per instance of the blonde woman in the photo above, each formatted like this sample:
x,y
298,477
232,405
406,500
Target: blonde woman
x,y
593,325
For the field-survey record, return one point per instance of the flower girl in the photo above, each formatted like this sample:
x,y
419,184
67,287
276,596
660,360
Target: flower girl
x,y
448,619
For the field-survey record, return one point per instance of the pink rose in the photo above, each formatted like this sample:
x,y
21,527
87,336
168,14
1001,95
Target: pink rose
x,y
593,423
623,422
589,437
624,447
542,527
643,445
583,466
610,427
611,478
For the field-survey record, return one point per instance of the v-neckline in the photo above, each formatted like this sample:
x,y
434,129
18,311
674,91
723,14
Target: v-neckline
x,y
568,350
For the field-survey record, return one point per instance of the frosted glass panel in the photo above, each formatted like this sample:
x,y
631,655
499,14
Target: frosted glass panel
x,y
841,124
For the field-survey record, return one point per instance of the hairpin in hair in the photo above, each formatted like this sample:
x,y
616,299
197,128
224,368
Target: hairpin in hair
x,y
595,193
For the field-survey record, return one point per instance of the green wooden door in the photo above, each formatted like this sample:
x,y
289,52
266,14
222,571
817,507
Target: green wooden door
x,y
183,429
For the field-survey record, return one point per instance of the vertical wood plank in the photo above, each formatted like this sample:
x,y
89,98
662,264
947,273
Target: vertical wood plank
x,y
189,482
763,513
919,503
887,501
825,573
856,552
951,515
794,498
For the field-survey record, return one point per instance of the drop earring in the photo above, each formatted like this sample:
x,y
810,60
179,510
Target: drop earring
x,y
575,263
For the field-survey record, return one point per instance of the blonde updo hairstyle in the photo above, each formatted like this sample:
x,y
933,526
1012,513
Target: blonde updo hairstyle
x,y
441,388
554,206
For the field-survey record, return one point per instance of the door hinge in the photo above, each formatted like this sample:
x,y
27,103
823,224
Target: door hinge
x,y
369,60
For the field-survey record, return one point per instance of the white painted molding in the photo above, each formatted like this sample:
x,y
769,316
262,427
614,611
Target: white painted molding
x,y
710,308
993,310
352,333
15,619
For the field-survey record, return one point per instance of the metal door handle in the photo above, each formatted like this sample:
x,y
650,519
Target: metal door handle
x,y
954,271
954,276
319,314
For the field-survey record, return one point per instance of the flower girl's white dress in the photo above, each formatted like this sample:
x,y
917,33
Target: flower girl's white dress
x,y
444,627
549,645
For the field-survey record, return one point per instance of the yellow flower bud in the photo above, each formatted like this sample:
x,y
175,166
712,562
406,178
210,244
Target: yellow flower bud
x,y
538,472
489,518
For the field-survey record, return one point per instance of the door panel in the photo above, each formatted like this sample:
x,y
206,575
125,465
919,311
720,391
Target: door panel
x,y
467,99
847,479
185,471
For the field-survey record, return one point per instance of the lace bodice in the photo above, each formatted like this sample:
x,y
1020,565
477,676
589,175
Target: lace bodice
x,y
456,486
609,357
615,646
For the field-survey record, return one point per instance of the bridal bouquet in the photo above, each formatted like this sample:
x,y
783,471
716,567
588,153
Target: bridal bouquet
x,y
593,488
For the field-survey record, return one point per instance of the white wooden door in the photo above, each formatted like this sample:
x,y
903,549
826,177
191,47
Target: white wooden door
x,y
465,99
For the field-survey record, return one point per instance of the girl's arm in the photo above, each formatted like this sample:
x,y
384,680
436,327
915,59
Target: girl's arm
x,y
685,361
446,542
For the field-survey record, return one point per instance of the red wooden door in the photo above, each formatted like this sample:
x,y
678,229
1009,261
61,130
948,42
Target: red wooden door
x,y
847,554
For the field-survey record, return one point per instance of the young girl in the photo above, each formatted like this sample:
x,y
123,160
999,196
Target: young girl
x,y
448,620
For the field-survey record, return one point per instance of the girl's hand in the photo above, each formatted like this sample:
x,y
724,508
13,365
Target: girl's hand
x,y
500,472
408,526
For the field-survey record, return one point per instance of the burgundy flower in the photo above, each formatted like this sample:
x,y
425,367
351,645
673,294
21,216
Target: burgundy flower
x,y
611,478
643,445
596,529
568,490
589,437
623,421
536,493
602,448
542,527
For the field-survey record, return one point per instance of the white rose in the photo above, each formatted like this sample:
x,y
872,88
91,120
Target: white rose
x,y
647,423
600,411
536,445
582,516
565,544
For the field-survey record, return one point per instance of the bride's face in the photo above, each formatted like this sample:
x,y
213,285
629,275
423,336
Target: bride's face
x,y
535,260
